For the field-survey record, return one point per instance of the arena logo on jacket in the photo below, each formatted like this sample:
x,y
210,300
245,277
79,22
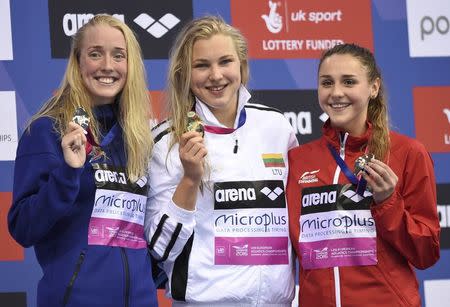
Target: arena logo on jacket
x,y
336,227
250,223
119,209
155,22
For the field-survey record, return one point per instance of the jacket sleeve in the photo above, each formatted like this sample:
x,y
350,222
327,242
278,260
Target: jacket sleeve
x,y
167,226
44,188
408,220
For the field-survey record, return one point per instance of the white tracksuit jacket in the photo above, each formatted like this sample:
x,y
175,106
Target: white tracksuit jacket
x,y
235,248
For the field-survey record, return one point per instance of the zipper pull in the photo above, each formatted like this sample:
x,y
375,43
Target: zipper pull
x,y
235,149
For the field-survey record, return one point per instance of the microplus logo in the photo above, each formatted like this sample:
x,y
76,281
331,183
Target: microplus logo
x,y
157,28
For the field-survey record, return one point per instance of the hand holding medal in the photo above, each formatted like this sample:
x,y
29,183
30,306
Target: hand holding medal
x,y
192,150
74,140
380,178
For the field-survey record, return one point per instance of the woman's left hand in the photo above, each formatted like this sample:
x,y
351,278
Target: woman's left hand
x,y
381,180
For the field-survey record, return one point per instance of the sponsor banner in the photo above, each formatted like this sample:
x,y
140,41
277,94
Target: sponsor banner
x,y
428,28
16,299
443,207
432,117
155,22
338,224
6,50
9,249
341,252
437,292
249,194
301,29
334,197
251,251
250,223
8,126
300,107
116,233
114,178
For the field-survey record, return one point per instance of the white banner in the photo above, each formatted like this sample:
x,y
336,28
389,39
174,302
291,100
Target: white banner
x,y
8,126
428,28
6,52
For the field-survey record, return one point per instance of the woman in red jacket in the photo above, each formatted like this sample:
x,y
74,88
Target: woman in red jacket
x,y
362,199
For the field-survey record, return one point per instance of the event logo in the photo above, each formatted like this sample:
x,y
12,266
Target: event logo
x,y
300,107
428,28
8,127
433,102
154,22
157,28
6,52
301,29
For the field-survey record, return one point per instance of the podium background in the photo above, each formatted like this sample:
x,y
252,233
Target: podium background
x,y
32,63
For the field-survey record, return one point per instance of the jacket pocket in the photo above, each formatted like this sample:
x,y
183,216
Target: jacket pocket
x,y
73,278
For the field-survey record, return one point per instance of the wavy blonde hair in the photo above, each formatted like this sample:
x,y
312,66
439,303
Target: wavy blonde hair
x,y
133,101
377,113
179,96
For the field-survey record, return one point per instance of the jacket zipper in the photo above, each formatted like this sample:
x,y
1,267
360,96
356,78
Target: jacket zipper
x,y
336,273
74,277
127,277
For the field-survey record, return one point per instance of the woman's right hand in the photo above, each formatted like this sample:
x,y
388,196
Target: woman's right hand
x,y
192,153
73,145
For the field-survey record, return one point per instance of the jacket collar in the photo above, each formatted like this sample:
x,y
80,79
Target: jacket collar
x,y
208,117
334,136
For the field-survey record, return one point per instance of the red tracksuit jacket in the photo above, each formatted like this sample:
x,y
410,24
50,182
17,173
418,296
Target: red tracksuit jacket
x,y
407,224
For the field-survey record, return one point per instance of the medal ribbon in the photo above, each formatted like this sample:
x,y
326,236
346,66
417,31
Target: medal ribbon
x,y
360,182
222,130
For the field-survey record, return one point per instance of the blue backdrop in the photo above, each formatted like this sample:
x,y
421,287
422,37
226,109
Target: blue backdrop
x,y
33,74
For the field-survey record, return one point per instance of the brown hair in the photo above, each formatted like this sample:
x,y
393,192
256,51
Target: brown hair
x,y
377,110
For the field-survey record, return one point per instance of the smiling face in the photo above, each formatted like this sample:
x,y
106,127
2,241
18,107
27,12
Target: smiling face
x,y
344,92
216,76
103,63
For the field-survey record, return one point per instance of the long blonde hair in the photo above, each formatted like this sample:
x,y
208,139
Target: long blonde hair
x,y
377,113
179,95
133,101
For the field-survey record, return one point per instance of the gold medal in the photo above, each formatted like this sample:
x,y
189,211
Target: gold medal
x,y
195,123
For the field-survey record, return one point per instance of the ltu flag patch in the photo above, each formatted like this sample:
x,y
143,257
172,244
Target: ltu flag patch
x,y
273,160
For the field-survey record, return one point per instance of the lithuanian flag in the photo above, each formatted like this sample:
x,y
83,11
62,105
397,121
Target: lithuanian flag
x,y
273,160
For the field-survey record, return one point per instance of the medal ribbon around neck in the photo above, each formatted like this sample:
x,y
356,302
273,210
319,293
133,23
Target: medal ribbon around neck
x,y
222,130
360,182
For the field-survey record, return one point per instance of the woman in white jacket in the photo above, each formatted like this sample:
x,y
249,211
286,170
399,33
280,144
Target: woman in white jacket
x,y
226,184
